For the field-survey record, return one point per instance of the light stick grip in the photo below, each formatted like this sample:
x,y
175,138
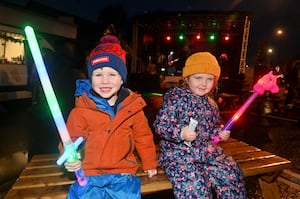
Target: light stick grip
x,y
71,154
236,116
81,178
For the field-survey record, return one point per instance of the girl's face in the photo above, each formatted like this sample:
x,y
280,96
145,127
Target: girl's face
x,y
201,83
106,82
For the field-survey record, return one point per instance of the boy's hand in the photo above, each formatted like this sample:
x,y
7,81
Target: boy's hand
x,y
73,166
151,173
224,135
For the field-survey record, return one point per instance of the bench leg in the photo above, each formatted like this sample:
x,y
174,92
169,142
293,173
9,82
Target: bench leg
x,y
269,186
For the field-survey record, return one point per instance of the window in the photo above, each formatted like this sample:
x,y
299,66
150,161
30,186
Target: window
x,y
11,48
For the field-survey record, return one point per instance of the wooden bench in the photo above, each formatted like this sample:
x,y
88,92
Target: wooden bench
x,y
42,178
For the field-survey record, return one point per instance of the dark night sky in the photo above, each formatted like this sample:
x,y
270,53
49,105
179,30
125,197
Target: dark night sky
x,y
266,16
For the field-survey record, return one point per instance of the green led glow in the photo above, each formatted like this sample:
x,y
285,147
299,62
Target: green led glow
x,y
212,37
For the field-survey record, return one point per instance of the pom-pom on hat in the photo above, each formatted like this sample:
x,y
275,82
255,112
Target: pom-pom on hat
x,y
108,53
201,62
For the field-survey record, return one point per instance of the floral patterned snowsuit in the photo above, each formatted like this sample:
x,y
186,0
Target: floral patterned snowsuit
x,y
194,171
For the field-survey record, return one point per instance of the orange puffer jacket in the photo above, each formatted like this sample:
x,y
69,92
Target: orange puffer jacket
x,y
110,142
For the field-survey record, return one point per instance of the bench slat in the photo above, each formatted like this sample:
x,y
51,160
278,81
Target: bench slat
x,y
232,144
240,150
157,183
25,183
44,157
42,172
53,192
262,166
252,155
41,164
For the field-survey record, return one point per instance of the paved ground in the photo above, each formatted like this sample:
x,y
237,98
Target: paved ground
x,y
25,130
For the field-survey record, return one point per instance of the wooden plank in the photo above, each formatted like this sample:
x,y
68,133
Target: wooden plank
x,y
41,172
25,183
53,192
230,139
41,164
252,155
44,157
232,144
262,166
240,150
157,183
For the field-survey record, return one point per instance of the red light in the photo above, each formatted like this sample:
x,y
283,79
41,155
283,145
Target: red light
x,y
226,37
169,24
198,37
168,38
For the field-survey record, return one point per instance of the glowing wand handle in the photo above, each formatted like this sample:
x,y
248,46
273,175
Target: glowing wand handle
x,y
236,116
241,110
53,104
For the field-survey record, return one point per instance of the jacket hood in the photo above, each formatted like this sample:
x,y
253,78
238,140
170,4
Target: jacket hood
x,y
82,86
85,95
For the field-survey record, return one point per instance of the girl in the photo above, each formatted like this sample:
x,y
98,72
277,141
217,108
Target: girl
x,y
194,165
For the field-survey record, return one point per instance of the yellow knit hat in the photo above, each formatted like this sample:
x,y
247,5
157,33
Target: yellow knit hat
x,y
201,62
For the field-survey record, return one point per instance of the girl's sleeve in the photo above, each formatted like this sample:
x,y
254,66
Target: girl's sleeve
x,y
167,123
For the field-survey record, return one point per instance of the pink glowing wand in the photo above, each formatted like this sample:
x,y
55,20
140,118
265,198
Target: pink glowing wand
x,y
266,83
70,147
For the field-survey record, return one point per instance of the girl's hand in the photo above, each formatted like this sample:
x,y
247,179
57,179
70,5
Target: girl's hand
x,y
73,166
151,173
224,134
187,135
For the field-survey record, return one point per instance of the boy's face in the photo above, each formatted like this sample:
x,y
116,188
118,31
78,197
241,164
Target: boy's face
x,y
201,83
106,82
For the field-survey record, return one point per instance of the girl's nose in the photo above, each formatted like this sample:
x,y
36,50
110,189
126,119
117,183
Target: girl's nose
x,y
203,82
